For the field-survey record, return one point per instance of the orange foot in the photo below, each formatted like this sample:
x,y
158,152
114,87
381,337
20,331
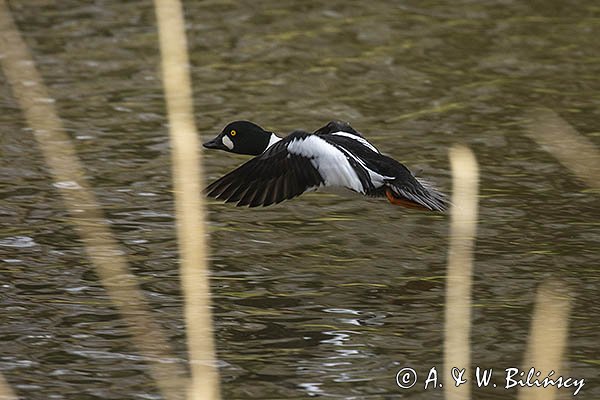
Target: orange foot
x,y
398,201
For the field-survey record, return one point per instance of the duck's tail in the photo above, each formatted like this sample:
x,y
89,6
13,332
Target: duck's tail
x,y
417,194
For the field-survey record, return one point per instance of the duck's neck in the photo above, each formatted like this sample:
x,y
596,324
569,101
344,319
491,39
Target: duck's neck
x,y
272,140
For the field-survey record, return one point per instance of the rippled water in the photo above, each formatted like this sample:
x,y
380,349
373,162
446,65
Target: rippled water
x,y
324,295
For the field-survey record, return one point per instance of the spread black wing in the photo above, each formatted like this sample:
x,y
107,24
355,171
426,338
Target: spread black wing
x,y
268,178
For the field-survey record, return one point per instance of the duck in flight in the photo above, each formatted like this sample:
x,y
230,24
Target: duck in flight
x,y
333,156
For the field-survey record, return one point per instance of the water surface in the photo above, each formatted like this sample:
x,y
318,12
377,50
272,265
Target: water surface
x,y
324,295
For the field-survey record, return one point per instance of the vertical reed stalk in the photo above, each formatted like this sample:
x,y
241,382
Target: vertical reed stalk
x,y
87,217
547,338
574,151
6,393
189,204
463,225
549,328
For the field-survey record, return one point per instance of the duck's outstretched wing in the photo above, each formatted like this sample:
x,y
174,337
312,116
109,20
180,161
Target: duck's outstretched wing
x,y
276,175
298,163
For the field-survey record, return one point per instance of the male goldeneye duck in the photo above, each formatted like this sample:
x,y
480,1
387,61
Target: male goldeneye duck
x,y
333,156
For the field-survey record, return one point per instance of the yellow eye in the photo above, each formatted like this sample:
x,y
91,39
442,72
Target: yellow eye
x,y
233,132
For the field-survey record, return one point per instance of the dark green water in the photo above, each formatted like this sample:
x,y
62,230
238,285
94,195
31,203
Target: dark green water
x,y
324,295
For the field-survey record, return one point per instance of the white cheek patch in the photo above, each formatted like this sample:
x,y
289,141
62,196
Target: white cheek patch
x,y
227,142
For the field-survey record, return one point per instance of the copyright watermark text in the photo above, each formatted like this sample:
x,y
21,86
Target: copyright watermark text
x,y
507,378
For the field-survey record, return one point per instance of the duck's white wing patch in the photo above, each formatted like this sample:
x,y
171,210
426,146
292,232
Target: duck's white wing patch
x,y
331,163
359,139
